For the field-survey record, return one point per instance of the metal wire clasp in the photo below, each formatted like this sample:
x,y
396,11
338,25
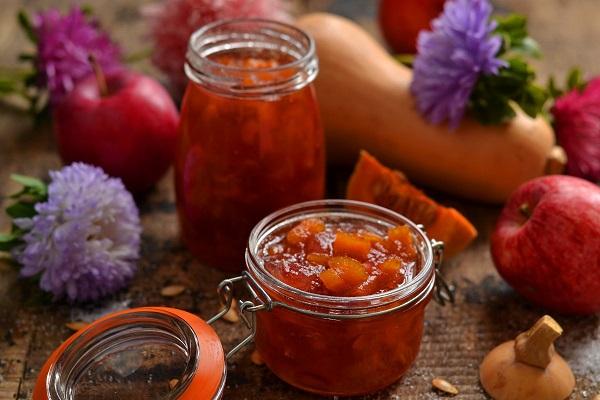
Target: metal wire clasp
x,y
444,292
259,300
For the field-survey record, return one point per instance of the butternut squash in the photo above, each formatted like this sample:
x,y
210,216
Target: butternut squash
x,y
366,103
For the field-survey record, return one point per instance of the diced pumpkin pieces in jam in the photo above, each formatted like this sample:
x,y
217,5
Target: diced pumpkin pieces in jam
x,y
313,225
400,233
400,241
352,245
390,266
342,258
349,269
333,281
318,258
304,230
370,236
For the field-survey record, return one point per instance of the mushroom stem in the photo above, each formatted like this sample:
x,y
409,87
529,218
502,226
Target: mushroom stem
x,y
535,347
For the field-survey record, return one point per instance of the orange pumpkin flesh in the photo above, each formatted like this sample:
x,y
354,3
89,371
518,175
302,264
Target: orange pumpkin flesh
x,y
374,183
352,245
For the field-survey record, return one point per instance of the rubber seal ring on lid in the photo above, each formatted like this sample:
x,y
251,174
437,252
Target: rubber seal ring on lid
x,y
204,369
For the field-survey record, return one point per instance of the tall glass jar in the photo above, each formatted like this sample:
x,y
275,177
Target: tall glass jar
x,y
251,139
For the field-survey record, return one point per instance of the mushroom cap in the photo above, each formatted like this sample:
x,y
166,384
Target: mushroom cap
x,y
504,378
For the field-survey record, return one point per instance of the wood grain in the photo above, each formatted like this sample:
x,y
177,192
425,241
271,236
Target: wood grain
x,y
456,338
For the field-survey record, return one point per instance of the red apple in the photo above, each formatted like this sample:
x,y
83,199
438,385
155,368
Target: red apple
x,y
546,243
130,130
401,21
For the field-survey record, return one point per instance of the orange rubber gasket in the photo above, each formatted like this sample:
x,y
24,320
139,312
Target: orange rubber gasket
x,y
207,380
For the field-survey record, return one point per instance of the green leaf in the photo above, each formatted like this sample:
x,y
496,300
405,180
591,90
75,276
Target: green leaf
x,y
26,57
515,38
406,59
532,100
553,90
87,10
493,97
7,86
513,29
27,26
31,80
575,79
9,241
21,210
18,194
36,186
514,25
530,47
28,195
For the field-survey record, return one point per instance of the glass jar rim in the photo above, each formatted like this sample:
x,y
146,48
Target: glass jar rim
x,y
205,369
223,77
419,287
310,52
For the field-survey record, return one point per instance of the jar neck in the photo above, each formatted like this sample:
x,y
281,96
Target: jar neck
x,y
251,58
417,290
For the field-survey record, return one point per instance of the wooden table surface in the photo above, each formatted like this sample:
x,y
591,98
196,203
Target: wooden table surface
x,y
456,338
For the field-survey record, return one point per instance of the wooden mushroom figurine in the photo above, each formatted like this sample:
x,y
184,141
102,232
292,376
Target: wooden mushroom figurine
x,y
528,367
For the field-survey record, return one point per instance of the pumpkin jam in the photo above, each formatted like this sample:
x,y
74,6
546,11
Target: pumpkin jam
x,y
241,158
333,259
341,257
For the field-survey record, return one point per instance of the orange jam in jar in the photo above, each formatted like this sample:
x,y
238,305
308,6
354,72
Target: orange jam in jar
x,y
251,139
341,257
346,286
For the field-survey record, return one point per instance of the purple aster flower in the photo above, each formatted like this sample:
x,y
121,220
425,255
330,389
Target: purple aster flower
x,y
85,238
64,45
451,58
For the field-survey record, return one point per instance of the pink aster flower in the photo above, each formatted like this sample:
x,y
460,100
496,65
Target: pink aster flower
x,y
577,122
173,21
64,43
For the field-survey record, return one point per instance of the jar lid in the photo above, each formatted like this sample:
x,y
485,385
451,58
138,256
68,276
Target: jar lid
x,y
141,353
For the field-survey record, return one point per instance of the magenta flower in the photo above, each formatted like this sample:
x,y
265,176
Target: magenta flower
x,y
577,122
85,238
64,43
451,57
173,21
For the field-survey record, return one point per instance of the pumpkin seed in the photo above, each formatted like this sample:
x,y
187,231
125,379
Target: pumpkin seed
x,y
172,290
444,386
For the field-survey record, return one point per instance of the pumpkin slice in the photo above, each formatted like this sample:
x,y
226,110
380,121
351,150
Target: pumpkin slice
x,y
374,183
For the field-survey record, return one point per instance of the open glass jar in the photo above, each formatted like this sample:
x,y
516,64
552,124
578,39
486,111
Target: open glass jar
x,y
340,345
322,344
251,139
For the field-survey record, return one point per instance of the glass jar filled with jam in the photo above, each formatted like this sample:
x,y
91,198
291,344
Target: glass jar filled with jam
x,y
344,285
251,139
